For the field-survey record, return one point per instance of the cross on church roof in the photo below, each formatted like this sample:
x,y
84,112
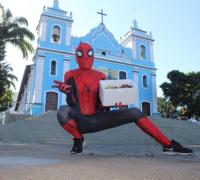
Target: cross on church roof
x,y
55,4
102,14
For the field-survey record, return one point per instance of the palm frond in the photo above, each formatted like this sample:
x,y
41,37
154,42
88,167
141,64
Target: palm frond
x,y
24,46
20,21
16,32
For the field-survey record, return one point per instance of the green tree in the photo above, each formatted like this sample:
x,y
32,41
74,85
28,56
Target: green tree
x,y
165,107
6,78
6,100
183,90
13,30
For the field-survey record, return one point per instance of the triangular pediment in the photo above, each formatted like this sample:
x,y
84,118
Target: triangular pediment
x,y
100,38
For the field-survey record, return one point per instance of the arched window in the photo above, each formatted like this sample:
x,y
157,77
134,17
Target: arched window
x,y
145,81
56,34
142,52
122,75
53,68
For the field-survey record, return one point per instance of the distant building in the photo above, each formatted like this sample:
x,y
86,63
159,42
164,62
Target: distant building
x,y
132,58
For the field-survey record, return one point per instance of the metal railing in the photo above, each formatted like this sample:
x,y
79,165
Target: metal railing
x,y
24,111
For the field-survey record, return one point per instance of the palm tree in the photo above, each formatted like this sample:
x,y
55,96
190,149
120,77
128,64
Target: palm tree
x,y
14,31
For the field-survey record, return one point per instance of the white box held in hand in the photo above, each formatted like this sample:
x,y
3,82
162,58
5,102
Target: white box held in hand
x,y
115,91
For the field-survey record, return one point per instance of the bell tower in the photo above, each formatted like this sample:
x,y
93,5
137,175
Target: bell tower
x,y
51,59
144,72
54,28
140,42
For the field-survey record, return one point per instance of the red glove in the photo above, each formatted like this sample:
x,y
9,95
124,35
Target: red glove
x,y
62,86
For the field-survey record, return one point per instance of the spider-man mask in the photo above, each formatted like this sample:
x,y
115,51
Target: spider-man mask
x,y
84,56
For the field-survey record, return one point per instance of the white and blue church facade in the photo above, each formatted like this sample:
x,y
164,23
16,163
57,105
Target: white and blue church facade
x,y
131,58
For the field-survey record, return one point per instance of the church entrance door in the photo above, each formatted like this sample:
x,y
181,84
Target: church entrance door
x,y
146,108
51,101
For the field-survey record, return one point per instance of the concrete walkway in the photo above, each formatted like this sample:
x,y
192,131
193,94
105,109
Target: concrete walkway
x,y
41,151
36,162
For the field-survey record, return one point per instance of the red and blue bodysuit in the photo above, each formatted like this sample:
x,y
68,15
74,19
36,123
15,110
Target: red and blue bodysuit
x,y
84,112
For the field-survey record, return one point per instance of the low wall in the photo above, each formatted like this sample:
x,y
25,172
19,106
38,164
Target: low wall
x,y
14,117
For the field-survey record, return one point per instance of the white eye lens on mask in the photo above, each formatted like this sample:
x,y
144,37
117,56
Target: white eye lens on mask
x,y
79,53
90,53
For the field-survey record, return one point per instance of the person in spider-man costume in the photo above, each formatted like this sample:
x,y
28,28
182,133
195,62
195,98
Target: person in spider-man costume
x,y
85,114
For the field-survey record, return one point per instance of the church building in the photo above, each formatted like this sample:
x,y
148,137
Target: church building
x,y
131,58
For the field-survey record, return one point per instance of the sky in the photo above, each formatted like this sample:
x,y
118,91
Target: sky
x,y
175,26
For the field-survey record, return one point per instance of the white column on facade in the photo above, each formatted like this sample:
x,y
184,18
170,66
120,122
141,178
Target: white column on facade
x,y
65,68
23,101
28,93
30,88
43,30
68,34
135,79
151,53
31,85
154,94
33,76
134,47
38,80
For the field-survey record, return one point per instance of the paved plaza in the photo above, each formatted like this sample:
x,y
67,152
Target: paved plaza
x,y
39,149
